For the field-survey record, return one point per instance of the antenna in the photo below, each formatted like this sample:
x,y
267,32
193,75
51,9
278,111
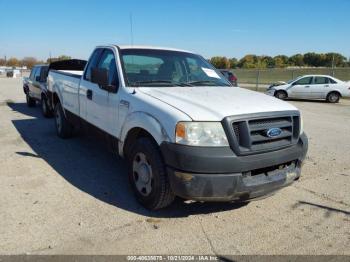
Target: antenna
x,y
131,30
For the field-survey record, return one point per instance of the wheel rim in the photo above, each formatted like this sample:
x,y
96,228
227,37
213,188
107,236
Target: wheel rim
x,y
280,95
142,174
333,97
58,120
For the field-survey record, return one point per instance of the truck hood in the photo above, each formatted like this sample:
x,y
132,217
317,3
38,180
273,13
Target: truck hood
x,y
214,103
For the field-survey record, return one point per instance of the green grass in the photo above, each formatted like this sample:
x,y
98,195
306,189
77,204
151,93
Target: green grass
x,y
268,76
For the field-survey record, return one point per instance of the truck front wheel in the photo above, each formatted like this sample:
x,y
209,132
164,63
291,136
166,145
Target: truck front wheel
x,y
63,127
45,109
147,175
30,101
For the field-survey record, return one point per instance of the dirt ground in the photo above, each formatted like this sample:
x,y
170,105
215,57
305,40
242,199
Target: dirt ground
x,y
72,196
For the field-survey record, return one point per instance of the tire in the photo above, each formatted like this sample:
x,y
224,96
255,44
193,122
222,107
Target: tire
x,y
333,97
30,101
63,128
45,109
281,95
147,175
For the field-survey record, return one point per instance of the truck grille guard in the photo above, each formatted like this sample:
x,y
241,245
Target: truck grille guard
x,y
262,132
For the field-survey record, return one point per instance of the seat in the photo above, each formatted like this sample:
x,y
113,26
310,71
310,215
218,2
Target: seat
x,y
166,71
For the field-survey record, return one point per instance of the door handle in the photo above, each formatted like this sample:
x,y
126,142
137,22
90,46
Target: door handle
x,y
307,86
89,94
326,86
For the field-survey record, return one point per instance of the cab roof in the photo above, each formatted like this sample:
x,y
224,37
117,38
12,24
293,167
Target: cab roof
x,y
151,47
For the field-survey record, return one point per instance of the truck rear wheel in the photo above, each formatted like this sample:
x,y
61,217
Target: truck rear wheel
x,y
63,127
30,101
147,175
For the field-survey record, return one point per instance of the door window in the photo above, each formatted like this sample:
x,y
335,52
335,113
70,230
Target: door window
x,y
36,73
44,72
320,80
331,81
304,81
32,77
107,62
92,63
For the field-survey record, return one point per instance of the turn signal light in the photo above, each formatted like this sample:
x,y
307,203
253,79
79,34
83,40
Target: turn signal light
x,y
180,130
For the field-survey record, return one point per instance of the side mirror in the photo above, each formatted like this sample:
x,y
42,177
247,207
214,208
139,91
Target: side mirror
x,y
38,79
100,76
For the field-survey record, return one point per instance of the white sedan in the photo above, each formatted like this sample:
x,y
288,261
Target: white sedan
x,y
311,87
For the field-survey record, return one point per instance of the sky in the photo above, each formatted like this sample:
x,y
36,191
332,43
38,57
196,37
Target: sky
x,y
231,28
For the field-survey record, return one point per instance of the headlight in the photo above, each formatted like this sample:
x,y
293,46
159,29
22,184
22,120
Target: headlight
x,y
301,124
200,134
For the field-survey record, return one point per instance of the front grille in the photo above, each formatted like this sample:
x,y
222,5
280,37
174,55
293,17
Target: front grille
x,y
249,134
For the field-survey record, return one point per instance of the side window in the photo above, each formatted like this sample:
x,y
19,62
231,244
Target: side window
x,y
320,80
92,63
32,73
331,81
107,62
36,73
44,72
304,81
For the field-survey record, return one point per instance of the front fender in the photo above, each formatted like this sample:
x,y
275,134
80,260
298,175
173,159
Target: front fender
x,y
145,121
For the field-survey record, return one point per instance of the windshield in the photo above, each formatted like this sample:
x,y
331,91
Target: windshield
x,y
156,68
292,80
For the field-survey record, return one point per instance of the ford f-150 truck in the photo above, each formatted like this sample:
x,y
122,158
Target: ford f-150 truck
x,y
180,125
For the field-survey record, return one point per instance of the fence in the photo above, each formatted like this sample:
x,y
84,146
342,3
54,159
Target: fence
x,y
258,79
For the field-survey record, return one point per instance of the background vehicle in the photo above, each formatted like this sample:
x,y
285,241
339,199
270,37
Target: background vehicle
x,y
35,88
312,87
230,76
13,73
181,126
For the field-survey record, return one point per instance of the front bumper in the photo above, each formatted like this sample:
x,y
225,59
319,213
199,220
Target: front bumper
x,y
217,174
270,92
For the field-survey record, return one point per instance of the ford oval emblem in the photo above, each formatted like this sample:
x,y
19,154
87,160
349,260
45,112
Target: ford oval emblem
x,y
273,132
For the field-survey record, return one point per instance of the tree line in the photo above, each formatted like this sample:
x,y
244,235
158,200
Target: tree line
x,y
281,61
29,62
248,62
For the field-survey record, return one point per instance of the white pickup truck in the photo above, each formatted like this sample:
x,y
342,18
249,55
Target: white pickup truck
x,y
184,130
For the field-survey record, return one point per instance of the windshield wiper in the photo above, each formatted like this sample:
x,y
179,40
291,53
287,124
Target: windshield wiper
x,y
138,83
206,81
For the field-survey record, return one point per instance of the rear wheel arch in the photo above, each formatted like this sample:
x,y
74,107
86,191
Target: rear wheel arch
x,y
334,91
330,100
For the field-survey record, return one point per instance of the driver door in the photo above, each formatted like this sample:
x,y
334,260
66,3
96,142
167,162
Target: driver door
x,y
301,88
102,105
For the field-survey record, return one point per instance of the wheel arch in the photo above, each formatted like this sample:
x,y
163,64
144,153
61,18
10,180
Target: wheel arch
x,y
55,99
334,91
141,124
281,90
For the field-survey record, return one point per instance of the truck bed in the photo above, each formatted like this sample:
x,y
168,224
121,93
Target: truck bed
x,y
64,79
66,86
